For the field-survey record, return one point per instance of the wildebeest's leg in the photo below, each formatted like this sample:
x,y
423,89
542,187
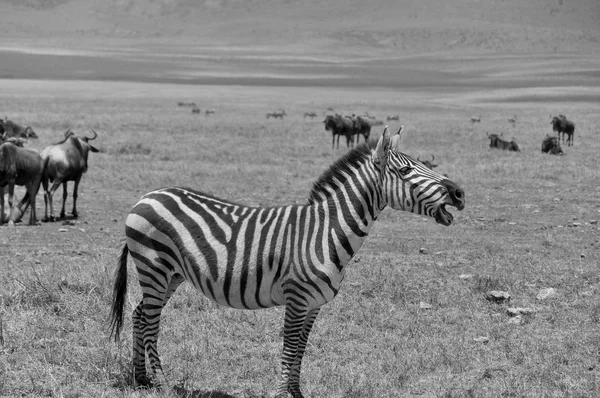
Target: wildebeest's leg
x,y
31,201
64,202
11,192
75,187
48,198
332,140
1,205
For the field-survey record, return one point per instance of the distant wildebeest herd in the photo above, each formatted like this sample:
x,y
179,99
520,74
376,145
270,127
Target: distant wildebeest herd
x,y
56,164
550,144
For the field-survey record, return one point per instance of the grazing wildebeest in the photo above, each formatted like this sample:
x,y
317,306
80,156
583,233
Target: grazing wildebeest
x,y
428,163
11,129
551,145
276,114
196,110
563,126
476,119
339,125
497,142
65,161
209,111
393,117
310,115
19,166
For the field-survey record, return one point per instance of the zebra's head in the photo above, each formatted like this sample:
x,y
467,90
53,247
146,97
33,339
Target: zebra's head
x,y
407,184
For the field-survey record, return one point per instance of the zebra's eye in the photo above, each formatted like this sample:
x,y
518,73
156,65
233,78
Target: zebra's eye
x,y
405,170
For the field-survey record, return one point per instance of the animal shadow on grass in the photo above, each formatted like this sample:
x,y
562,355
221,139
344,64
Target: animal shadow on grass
x,y
185,393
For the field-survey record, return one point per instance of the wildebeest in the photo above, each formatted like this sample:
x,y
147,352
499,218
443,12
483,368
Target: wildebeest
x,y
209,111
196,110
362,127
276,114
497,142
476,119
393,117
513,120
19,166
563,126
191,104
428,163
9,129
551,145
340,126
65,161
310,115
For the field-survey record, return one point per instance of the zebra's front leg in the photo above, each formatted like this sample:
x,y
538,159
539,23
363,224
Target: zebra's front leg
x,y
294,378
296,320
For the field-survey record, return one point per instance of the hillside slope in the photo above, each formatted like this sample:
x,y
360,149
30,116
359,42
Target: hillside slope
x,y
379,27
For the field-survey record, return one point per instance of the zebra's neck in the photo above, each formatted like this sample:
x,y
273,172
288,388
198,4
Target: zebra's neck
x,y
351,201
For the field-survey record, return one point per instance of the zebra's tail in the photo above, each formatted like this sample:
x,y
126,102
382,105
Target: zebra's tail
x,y
119,292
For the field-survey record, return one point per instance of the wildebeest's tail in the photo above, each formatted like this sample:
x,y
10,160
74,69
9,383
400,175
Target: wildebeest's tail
x,y
119,292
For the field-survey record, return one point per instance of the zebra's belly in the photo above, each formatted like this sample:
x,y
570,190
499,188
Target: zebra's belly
x,y
241,286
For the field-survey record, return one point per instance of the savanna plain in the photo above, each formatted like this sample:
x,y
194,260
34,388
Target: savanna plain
x,y
411,318
529,224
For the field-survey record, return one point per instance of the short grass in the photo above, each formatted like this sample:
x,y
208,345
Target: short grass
x,y
529,224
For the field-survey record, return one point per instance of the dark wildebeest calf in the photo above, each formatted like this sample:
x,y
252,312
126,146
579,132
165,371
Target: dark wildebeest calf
x,y
563,126
65,161
19,166
551,145
497,142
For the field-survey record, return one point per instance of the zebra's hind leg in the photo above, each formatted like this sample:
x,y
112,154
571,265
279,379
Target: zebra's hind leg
x,y
297,325
157,290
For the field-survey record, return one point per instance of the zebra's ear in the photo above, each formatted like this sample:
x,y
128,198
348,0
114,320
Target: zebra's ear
x,y
380,155
397,139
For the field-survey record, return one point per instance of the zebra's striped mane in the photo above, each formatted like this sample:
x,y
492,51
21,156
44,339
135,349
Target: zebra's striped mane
x,y
338,171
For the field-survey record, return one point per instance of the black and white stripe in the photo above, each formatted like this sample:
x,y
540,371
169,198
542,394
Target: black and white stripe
x,y
254,257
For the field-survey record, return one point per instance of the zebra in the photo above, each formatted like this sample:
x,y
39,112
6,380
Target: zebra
x,y
260,257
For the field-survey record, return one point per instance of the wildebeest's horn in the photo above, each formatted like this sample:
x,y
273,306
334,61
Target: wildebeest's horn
x,y
432,157
501,134
94,137
68,133
488,134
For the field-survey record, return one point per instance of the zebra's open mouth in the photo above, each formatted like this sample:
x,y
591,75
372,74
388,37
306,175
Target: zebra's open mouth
x,y
443,216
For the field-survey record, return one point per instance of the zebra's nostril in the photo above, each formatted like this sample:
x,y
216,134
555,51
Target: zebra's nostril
x,y
458,194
